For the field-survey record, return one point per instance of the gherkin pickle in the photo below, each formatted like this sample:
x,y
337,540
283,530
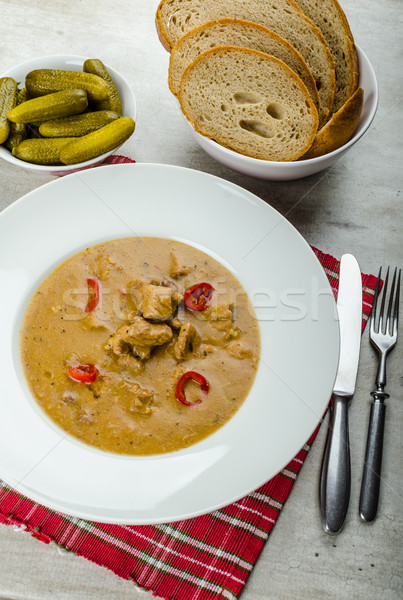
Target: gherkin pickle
x,y
98,142
41,151
47,81
8,99
52,106
97,67
77,125
18,131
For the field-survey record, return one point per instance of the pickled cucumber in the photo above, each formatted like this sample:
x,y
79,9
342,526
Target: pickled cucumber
x,y
18,131
23,95
47,81
77,125
97,67
41,151
8,99
52,106
98,142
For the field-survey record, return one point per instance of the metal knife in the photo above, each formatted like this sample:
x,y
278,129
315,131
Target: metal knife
x,y
335,477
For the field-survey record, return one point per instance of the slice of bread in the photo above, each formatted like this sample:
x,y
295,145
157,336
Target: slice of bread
x,y
250,102
339,129
329,17
174,18
233,32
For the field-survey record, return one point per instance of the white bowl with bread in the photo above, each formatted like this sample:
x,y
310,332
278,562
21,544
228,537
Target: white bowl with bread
x,y
266,90
288,170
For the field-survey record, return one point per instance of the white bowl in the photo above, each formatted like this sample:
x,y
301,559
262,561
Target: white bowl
x,y
67,62
281,171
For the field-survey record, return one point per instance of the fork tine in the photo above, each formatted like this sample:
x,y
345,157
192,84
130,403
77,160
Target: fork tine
x,y
373,312
396,310
385,289
390,304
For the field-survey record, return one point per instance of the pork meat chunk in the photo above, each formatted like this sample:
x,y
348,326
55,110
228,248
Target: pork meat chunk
x,y
139,338
187,341
134,292
159,302
178,270
222,312
154,301
221,318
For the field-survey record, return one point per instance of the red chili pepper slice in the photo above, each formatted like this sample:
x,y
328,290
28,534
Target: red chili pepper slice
x,y
93,294
197,297
197,378
84,373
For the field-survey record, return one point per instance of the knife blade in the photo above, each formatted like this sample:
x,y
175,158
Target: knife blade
x,y
335,476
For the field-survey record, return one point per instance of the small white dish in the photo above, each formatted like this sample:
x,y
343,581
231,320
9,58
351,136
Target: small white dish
x,y
282,171
67,62
297,321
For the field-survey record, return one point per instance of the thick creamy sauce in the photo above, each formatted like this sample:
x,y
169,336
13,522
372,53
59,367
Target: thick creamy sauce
x,y
131,407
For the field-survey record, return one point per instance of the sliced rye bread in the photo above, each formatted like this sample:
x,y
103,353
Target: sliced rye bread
x,y
250,102
339,129
233,32
174,18
329,17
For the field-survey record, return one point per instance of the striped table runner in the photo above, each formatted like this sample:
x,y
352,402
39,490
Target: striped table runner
x,y
207,557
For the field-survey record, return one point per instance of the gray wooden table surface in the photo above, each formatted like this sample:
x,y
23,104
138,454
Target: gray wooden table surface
x,y
356,206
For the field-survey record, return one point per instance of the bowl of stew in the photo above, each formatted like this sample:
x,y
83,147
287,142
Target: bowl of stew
x,y
161,355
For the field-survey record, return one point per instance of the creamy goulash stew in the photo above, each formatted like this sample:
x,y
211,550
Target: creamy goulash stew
x,y
140,345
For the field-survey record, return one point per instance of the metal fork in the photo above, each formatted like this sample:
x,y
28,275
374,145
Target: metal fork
x,y
384,337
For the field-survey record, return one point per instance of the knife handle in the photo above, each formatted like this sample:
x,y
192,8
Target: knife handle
x,y
335,477
373,463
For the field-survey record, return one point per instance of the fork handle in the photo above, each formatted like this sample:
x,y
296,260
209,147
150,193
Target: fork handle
x,y
335,476
373,462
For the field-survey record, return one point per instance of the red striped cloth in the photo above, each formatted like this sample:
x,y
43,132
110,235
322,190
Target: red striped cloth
x,y
207,557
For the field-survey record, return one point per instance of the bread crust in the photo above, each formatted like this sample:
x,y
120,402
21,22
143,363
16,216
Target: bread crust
x,y
214,135
342,46
339,129
272,37
160,30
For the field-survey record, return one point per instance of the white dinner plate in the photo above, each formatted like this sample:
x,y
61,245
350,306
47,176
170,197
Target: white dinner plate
x,y
294,306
